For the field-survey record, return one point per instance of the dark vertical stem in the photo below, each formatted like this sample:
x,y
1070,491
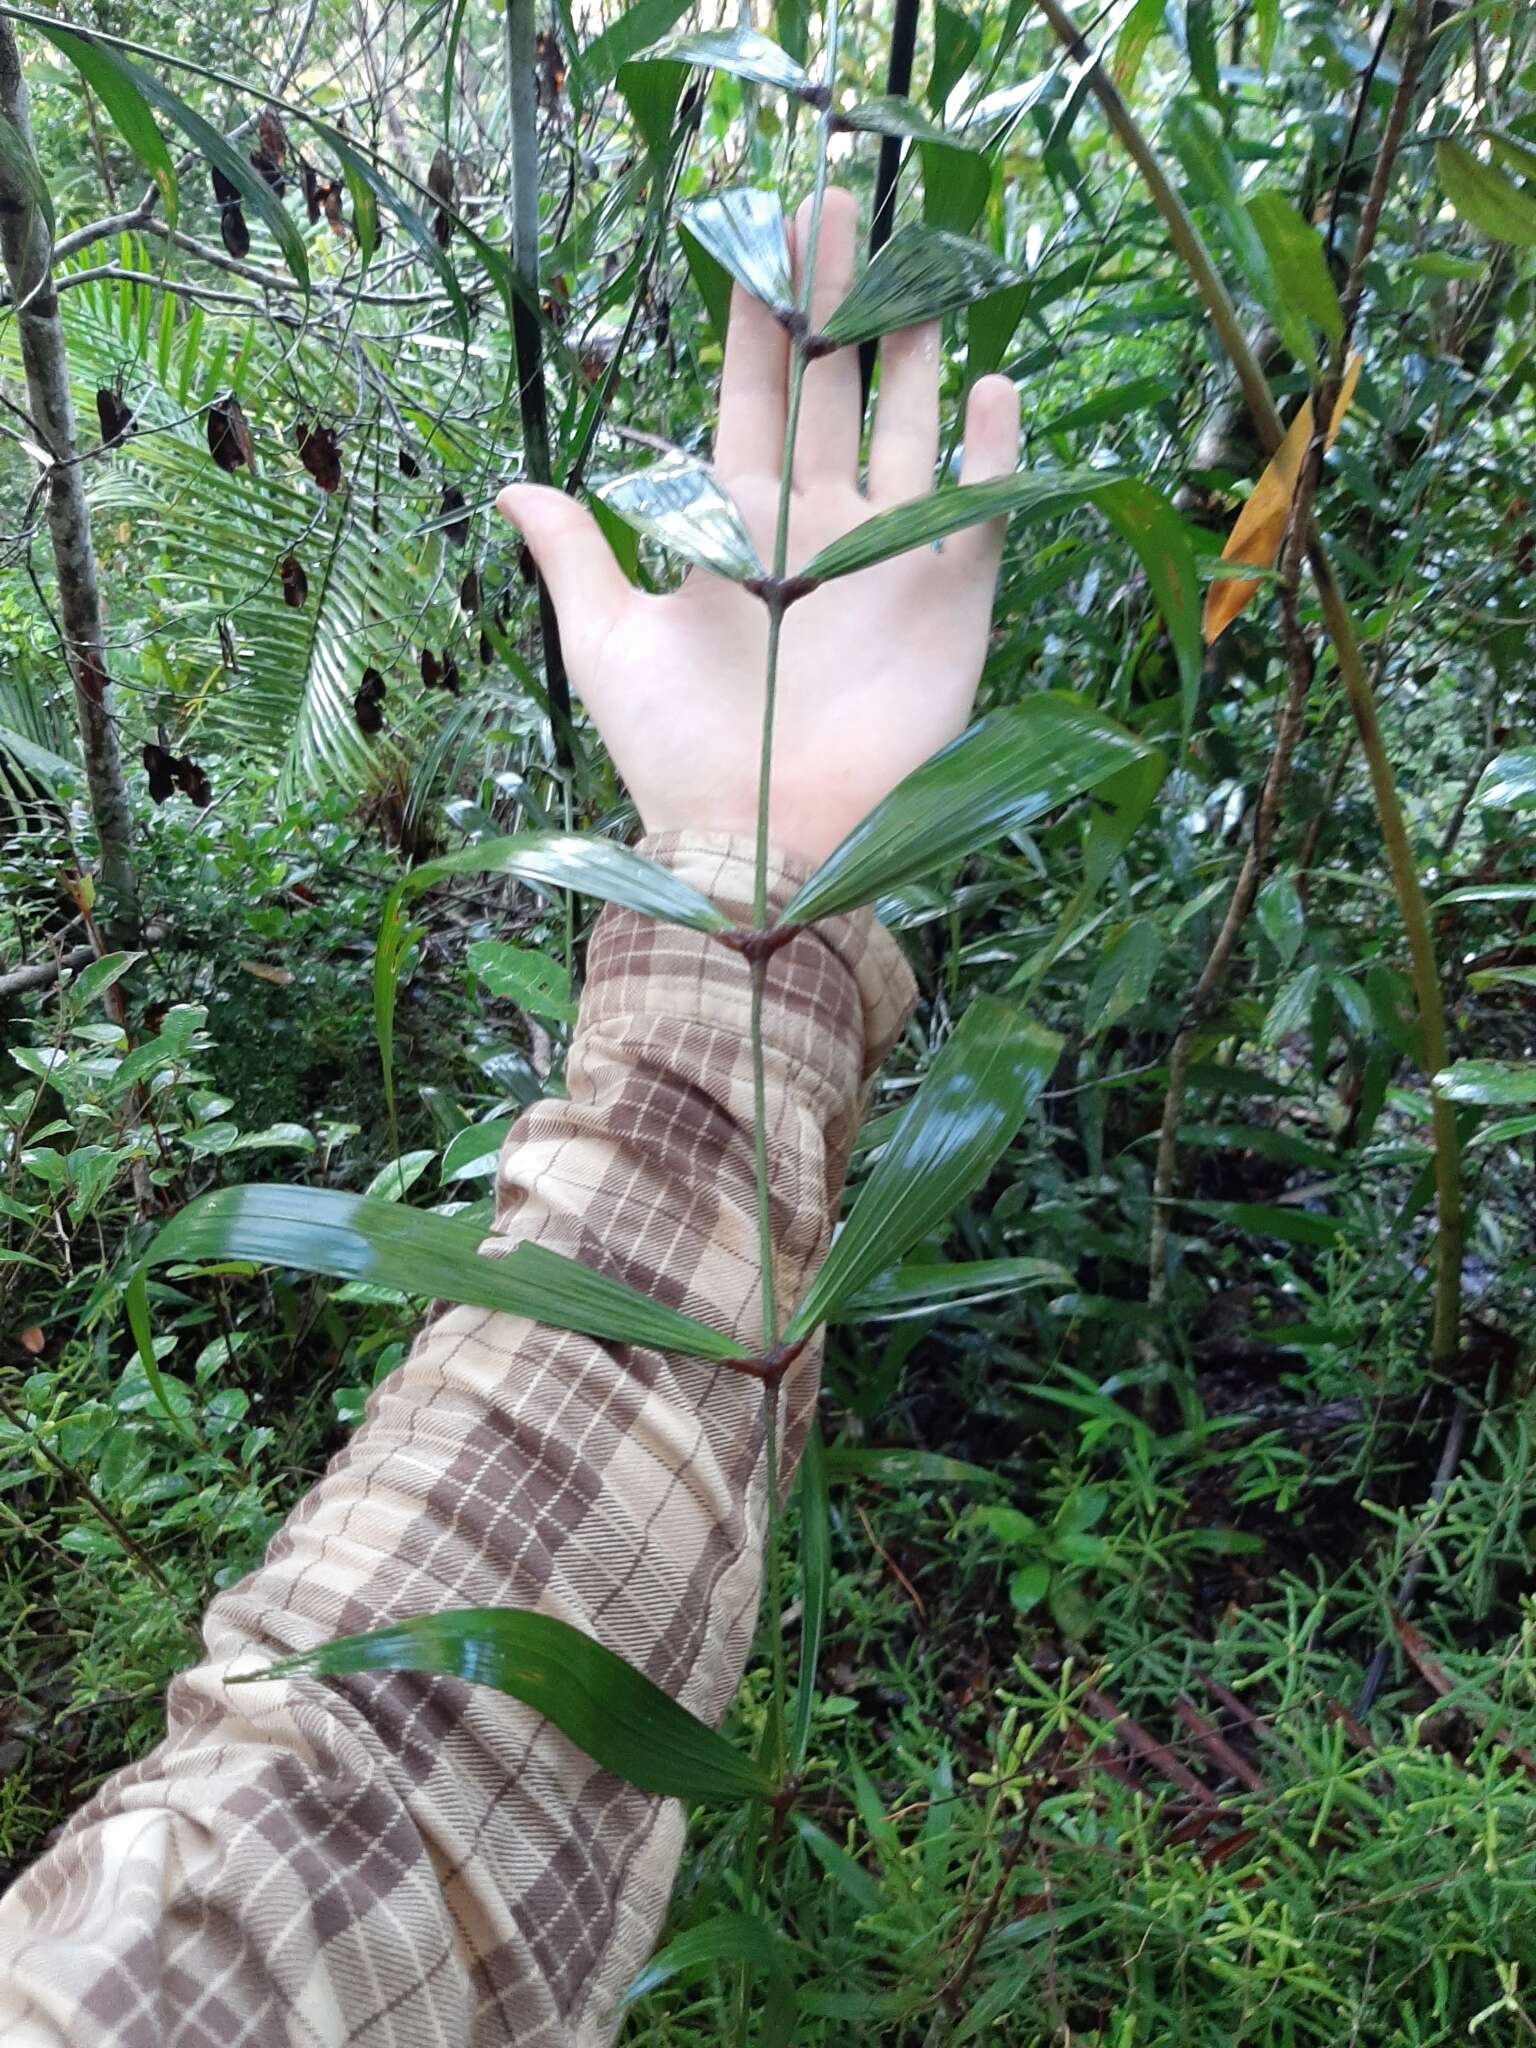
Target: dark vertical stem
x,y
898,82
527,336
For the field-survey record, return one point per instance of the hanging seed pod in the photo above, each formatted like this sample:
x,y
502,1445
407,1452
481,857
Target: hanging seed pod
x,y
272,135
368,704
440,184
192,780
409,466
469,591
159,765
229,437
528,569
309,185
234,233
431,672
268,171
320,453
487,651
224,192
331,207
456,529
117,421
295,583
450,675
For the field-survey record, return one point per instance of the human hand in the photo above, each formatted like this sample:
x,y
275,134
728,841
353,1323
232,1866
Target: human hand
x,y
876,670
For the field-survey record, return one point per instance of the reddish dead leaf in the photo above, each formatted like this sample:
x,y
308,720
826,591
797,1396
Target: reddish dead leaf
x,y
117,421
234,233
192,780
158,765
431,671
295,583
320,453
272,135
440,184
550,60
368,704
278,976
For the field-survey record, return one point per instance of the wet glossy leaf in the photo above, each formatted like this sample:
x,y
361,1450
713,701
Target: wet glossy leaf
x,y
1509,782
361,1237
115,85
741,51
976,1094
475,1153
1013,766
679,503
519,974
1492,1084
1485,196
613,1713
910,1291
921,273
1256,538
1295,251
893,115
957,183
743,230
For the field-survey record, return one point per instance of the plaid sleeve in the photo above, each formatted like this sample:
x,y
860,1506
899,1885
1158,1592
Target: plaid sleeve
x,y
399,1861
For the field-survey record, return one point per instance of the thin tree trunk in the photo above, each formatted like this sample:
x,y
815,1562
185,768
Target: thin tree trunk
x,y
24,245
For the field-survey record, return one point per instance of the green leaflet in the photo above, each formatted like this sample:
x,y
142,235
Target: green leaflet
x,y
678,503
613,1713
1509,782
977,1093
921,272
522,975
728,1938
743,230
1296,256
362,1237
1012,766
1491,1084
909,1291
1485,197
96,61
114,83
816,1581
742,52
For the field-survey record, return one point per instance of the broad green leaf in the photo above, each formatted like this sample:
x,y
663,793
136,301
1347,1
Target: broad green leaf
x,y
1202,149
1502,1132
816,1581
254,190
1488,892
1491,1084
743,229
1292,1226
1502,977
898,1467
627,39
976,1094
742,52
1509,783
990,325
1137,394
392,1183
1161,541
1281,917
1029,1585
475,1153
1013,766
1200,42
1133,42
956,39
713,282
903,118
115,86
921,273
1486,197
612,1712
1123,977
102,974
1296,256
678,502
728,1938
1292,1005
521,975
359,1237
957,183
925,1290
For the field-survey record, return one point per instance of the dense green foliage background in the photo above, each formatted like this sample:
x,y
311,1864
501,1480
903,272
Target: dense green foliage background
x,y
1049,1508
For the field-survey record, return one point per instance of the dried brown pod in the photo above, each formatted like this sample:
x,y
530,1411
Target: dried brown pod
x,y
229,652
269,172
117,420
224,191
456,529
469,591
409,466
550,59
234,233
431,671
487,651
229,437
309,184
440,184
160,766
450,675
331,207
272,135
192,780
320,453
368,704
295,583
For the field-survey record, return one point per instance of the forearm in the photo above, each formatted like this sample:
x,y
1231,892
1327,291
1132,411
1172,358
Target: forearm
x,y
401,1860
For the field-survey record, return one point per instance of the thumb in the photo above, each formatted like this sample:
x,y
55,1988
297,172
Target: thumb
x,y
586,583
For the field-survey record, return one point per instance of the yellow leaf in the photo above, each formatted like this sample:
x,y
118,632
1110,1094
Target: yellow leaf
x,y
1255,539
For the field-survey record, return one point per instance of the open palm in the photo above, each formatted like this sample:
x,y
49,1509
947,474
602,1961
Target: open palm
x,y
876,670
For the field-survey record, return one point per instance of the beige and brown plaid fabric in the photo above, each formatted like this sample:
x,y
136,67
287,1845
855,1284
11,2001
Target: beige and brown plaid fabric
x,y
402,1862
